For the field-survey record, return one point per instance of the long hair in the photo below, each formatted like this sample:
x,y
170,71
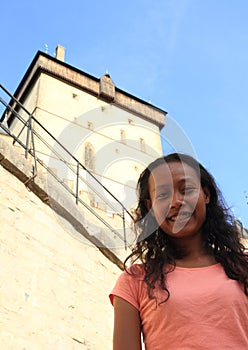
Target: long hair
x,y
220,232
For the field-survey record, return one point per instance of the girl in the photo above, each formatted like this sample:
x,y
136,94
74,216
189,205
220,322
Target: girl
x,y
190,290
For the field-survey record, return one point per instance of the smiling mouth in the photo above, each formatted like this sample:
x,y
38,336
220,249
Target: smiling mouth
x,y
180,217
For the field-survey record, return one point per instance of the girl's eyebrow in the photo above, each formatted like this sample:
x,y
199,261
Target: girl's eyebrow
x,y
167,186
161,187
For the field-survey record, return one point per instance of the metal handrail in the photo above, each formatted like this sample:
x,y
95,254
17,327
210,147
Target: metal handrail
x,y
31,132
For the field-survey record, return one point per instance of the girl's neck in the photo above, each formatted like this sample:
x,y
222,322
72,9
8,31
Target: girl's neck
x,y
192,252
196,261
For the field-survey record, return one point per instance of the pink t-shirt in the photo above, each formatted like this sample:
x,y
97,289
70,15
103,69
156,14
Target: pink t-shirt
x,y
206,309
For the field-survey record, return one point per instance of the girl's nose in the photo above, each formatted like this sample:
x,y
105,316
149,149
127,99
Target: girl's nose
x,y
177,200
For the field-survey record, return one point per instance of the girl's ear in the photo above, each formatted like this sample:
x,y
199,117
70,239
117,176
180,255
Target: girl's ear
x,y
207,195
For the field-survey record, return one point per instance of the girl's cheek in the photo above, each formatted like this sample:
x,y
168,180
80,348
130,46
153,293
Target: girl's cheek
x,y
163,209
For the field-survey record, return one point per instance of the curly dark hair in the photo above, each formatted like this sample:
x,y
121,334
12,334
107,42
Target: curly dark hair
x,y
221,234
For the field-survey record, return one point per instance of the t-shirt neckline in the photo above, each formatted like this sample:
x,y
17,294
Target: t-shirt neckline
x,y
198,268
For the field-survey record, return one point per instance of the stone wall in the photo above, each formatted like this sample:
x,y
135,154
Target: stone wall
x,y
53,286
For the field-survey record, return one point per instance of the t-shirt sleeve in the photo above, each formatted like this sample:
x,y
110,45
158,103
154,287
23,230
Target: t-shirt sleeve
x,y
127,288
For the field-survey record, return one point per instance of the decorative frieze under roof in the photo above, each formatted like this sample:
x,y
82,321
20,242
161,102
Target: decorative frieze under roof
x,y
102,88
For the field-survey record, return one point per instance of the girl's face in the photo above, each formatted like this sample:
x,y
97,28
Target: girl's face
x,y
177,200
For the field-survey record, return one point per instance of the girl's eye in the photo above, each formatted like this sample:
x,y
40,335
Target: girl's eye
x,y
188,189
163,195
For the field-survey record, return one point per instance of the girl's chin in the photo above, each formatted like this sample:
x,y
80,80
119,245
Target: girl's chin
x,y
179,225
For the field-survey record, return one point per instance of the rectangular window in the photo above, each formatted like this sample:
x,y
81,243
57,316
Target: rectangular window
x,y
89,157
90,125
142,145
123,136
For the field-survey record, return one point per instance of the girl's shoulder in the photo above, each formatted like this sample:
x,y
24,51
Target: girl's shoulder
x,y
136,270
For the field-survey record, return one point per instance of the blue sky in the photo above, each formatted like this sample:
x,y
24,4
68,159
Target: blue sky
x,y
188,57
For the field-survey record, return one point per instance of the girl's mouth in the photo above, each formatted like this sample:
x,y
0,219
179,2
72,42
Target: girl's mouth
x,y
180,216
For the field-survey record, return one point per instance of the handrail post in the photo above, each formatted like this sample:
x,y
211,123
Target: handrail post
x,y
124,229
77,180
28,137
33,145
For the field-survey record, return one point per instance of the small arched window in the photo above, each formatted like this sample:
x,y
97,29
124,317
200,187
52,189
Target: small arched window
x,y
89,157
